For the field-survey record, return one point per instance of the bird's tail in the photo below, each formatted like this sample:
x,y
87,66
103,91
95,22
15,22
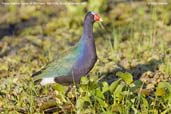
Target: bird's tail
x,y
36,73
36,77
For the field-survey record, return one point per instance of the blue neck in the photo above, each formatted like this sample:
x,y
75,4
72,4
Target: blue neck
x,y
86,42
87,35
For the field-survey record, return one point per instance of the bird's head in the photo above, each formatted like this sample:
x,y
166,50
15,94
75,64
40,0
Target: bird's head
x,y
93,17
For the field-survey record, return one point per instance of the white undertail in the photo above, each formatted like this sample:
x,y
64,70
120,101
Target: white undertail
x,y
47,81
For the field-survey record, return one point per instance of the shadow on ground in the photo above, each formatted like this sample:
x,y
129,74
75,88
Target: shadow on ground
x,y
14,29
137,71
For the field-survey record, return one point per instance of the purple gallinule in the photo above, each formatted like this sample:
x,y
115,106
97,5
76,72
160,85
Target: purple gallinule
x,y
76,62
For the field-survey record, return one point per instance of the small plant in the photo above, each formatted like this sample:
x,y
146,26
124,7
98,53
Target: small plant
x,y
123,96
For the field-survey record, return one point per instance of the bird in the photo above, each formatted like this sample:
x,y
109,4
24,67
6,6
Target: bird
x,y
76,62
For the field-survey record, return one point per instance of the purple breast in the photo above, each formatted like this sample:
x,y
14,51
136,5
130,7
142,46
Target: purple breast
x,y
85,61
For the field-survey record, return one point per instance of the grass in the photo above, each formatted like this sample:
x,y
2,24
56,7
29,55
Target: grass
x,y
133,47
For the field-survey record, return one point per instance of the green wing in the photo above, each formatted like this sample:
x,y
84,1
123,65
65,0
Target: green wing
x,y
59,67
